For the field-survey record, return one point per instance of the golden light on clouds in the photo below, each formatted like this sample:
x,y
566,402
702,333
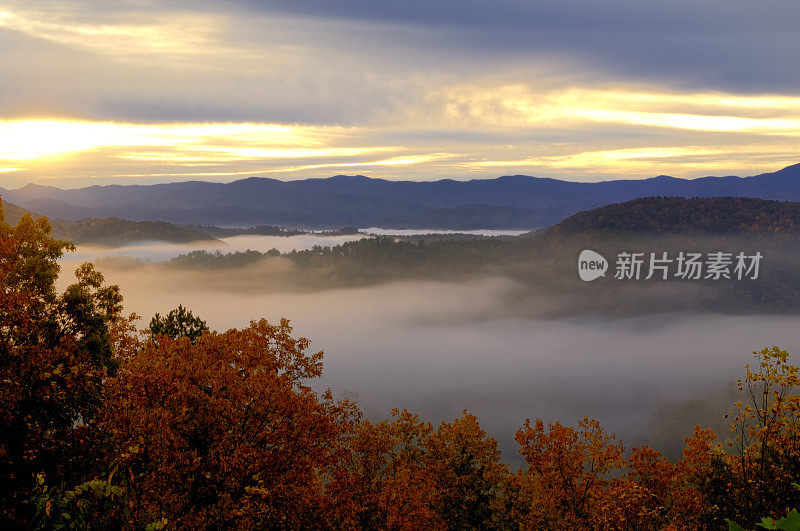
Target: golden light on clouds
x,y
177,34
211,154
392,161
638,160
520,105
183,145
691,122
170,90
32,139
728,131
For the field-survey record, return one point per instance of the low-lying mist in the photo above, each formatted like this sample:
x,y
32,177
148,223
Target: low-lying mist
x,y
438,348
411,232
159,251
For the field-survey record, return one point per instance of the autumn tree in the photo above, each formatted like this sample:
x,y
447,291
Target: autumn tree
x,y
467,474
756,478
649,492
403,474
382,481
226,432
55,351
566,480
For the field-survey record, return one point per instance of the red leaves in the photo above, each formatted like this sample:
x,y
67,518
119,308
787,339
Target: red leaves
x,y
227,429
567,468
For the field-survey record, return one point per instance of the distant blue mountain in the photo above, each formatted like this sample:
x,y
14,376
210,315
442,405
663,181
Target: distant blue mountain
x,y
515,201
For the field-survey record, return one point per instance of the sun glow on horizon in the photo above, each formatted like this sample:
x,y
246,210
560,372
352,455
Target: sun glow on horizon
x,y
729,131
37,138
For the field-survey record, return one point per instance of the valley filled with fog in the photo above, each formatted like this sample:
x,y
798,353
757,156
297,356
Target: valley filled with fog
x,y
159,251
438,348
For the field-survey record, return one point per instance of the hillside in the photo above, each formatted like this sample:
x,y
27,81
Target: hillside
x,y
717,215
115,231
111,231
363,202
13,213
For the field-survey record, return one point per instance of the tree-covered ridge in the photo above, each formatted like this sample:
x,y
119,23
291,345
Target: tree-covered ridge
x,y
14,213
115,231
112,231
543,268
717,215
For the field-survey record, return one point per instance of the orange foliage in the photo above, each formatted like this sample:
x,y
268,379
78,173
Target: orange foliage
x,y
404,474
382,482
224,433
566,477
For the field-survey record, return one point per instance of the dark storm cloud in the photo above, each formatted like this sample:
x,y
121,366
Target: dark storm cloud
x,y
721,44
333,58
565,14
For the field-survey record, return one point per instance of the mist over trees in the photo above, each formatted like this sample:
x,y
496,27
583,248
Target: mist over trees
x,y
104,425
543,266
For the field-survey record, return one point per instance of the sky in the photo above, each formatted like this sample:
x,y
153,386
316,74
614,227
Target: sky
x,y
140,91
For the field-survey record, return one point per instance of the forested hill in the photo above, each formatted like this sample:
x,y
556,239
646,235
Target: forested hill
x,y
111,231
115,231
716,215
13,213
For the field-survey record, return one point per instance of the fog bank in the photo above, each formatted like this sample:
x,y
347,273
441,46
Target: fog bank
x,y
439,348
160,251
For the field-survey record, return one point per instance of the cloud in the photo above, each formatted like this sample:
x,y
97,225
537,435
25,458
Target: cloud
x,y
737,44
204,142
404,90
178,35
517,128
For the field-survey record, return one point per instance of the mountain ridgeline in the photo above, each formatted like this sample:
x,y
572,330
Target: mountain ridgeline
x,y
510,202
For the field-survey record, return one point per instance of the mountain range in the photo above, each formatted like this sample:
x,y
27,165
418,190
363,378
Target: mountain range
x,y
508,202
